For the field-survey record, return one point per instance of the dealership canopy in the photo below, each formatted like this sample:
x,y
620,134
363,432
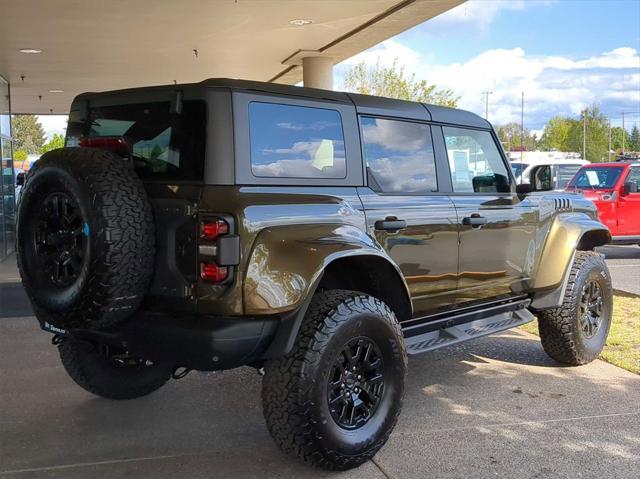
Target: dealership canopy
x,y
51,50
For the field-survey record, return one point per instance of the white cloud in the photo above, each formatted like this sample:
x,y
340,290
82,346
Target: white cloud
x,y
552,84
52,124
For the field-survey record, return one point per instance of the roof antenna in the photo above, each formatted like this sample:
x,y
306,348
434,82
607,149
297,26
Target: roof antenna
x,y
40,97
22,77
195,52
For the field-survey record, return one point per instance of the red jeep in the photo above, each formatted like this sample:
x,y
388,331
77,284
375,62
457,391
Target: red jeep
x,y
614,188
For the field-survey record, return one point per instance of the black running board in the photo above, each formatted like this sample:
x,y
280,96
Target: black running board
x,y
464,331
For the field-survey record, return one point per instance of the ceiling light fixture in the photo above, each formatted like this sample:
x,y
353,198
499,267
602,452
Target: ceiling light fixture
x,y
30,50
56,91
300,22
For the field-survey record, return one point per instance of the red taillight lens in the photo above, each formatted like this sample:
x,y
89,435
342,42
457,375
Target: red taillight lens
x,y
210,230
213,273
117,144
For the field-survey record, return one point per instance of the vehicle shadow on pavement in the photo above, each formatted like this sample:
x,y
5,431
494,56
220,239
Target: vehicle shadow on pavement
x,y
464,400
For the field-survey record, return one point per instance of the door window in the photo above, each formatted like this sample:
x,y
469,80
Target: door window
x,y
399,156
289,141
475,162
634,178
564,173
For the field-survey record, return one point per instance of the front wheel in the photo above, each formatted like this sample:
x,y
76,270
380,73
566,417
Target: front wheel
x,y
335,398
108,373
576,332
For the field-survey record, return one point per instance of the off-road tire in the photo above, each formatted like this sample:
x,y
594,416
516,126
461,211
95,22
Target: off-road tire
x,y
100,375
118,238
560,330
295,387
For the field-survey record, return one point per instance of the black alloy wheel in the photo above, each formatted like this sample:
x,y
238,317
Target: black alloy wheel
x,y
356,383
591,309
60,239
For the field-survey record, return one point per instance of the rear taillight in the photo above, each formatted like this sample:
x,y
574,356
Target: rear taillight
x,y
214,265
211,230
213,273
117,144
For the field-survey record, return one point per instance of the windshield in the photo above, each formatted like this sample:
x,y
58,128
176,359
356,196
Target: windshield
x,y
596,178
518,167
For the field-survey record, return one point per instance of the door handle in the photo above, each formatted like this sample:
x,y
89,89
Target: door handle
x,y
390,223
474,220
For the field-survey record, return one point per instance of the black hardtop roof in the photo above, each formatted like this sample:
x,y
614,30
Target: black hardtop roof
x,y
365,104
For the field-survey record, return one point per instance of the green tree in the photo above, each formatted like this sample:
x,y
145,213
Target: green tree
x,y
567,134
597,134
56,141
556,134
616,138
394,82
28,133
634,139
510,136
19,156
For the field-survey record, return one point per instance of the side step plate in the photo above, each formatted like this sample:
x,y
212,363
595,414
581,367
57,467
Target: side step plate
x,y
463,332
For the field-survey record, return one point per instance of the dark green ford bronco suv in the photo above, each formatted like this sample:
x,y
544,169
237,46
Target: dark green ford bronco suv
x,y
320,237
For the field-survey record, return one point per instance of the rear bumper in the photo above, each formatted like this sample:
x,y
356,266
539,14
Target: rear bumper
x,y
205,343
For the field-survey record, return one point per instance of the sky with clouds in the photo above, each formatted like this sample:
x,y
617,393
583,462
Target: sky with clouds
x,y
564,55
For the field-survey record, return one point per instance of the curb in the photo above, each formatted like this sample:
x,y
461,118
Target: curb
x,y
626,294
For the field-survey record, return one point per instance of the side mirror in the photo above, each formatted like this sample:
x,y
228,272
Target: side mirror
x,y
629,187
542,178
524,189
20,179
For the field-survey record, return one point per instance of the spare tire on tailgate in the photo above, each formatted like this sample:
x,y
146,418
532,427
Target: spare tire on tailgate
x,y
86,239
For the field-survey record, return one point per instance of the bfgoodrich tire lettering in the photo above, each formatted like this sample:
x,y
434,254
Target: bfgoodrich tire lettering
x,y
565,331
106,231
296,387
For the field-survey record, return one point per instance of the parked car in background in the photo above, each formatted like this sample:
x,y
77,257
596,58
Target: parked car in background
x,y
19,178
614,188
559,170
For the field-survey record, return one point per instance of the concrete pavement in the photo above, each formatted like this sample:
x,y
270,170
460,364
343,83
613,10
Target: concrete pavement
x,y
496,407
624,264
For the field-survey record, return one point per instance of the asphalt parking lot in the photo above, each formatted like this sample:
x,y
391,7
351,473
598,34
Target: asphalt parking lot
x,y
496,407
624,265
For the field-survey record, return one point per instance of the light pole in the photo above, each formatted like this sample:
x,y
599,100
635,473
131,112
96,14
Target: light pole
x,y
521,136
486,103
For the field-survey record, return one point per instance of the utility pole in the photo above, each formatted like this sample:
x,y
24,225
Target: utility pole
x,y
623,133
584,135
609,151
486,104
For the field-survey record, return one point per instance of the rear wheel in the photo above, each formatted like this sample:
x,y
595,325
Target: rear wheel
x,y
111,373
335,398
576,332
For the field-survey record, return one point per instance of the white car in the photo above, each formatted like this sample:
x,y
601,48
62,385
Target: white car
x,y
561,170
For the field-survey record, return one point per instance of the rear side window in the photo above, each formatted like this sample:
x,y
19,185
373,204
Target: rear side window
x,y
475,162
165,145
290,141
399,156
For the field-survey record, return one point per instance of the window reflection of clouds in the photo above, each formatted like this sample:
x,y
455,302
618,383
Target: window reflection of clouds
x,y
296,142
399,154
